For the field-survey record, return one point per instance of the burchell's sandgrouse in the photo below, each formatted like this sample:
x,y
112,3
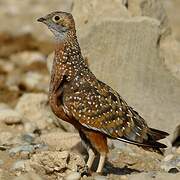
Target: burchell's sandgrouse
x,y
91,106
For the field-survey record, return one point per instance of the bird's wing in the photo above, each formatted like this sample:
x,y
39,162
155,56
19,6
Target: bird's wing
x,y
100,108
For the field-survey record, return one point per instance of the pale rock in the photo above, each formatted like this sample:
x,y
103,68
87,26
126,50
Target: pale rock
x,y
153,9
10,116
23,148
60,140
172,10
35,81
30,127
5,137
73,176
18,165
34,107
27,58
94,12
125,55
6,66
168,157
55,161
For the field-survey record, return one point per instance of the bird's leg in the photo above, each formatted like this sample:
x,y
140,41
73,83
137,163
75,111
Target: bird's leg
x,y
101,163
90,158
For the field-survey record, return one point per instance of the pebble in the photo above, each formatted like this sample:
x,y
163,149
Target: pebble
x,y
30,127
42,147
168,157
29,137
119,144
23,148
5,138
10,116
18,165
34,80
21,58
166,167
73,176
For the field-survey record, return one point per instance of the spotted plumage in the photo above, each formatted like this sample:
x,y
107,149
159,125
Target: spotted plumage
x,y
94,108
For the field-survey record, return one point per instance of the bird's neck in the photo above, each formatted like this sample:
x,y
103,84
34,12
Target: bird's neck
x,y
68,55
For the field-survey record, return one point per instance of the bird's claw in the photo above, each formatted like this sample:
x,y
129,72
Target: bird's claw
x,y
85,171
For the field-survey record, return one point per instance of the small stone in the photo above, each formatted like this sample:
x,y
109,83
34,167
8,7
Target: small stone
x,y
50,161
53,161
35,80
73,176
5,138
29,138
30,127
10,116
168,157
18,165
27,58
34,107
65,140
42,147
25,148
166,167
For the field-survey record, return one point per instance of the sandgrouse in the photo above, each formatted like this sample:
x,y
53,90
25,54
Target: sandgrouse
x,y
92,107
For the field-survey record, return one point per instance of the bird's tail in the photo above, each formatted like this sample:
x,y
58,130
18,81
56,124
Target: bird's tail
x,y
153,136
157,134
150,142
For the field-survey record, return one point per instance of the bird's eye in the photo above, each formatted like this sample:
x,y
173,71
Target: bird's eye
x,y
56,18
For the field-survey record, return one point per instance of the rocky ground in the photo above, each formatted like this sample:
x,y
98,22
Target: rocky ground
x,y
133,45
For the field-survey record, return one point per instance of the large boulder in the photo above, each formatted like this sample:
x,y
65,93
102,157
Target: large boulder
x,y
87,13
125,54
153,9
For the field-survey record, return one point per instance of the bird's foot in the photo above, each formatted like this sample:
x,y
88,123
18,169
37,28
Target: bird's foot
x,y
85,171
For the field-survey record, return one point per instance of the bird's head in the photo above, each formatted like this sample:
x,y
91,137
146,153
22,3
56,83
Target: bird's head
x,y
60,23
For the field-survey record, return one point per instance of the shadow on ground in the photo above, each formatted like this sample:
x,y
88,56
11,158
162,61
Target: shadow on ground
x,y
111,169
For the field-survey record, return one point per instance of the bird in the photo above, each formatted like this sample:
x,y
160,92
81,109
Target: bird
x,y
95,109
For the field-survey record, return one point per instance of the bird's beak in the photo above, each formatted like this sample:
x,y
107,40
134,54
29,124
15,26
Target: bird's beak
x,y
42,19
